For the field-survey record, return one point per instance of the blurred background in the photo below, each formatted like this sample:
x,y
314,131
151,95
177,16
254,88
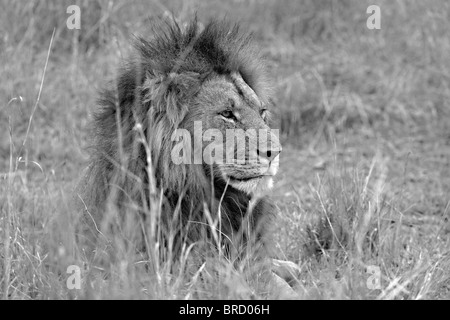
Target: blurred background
x,y
352,103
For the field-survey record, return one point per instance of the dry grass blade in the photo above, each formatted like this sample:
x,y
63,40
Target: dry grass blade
x,y
38,99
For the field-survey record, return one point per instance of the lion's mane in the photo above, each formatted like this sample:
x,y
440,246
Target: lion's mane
x,y
151,96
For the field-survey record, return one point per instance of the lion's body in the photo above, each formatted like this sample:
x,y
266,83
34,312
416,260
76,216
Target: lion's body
x,y
178,77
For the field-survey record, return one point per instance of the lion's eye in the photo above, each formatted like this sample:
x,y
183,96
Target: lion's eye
x,y
227,114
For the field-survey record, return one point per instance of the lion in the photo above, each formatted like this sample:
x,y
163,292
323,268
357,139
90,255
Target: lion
x,y
214,76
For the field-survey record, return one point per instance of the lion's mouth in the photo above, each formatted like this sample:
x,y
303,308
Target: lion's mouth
x,y
253,184
269,173
235,179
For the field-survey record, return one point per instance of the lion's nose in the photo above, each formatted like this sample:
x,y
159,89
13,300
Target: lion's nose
x,y
269,154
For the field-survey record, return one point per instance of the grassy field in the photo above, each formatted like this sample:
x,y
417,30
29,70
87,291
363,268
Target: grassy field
x,y
364,183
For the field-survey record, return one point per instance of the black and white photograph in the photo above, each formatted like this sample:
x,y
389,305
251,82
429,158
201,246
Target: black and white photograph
x,y
224,155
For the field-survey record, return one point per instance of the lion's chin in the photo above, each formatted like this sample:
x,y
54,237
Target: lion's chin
x,y
255,186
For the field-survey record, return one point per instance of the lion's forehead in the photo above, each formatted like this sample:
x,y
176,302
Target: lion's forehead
x,y
222,88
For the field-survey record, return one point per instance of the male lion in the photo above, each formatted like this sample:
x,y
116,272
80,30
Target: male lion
x,y
182,75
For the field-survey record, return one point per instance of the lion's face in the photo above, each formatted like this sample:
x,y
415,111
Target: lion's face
x,y
227,104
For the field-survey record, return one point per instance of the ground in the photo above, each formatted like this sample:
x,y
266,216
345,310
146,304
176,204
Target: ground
x,y
363,115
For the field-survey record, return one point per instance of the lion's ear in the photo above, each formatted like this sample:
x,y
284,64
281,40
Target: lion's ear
x,y
171,94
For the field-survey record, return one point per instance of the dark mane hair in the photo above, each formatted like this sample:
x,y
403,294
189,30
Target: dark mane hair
x,y
149,100
220,48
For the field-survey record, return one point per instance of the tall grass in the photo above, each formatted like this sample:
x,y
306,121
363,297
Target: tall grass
x,y
335,81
